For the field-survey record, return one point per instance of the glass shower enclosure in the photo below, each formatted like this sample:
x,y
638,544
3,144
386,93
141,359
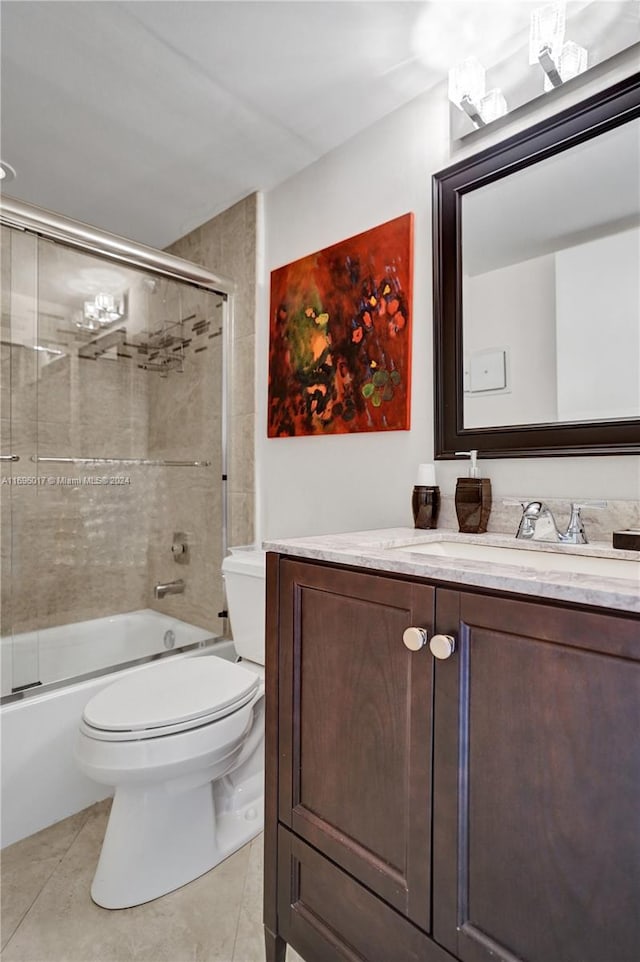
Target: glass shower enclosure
x,y
114,451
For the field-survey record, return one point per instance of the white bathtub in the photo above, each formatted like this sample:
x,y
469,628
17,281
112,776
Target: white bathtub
x,y
71,651
39,780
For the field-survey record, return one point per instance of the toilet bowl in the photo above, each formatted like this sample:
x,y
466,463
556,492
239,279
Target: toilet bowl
x,y
182,742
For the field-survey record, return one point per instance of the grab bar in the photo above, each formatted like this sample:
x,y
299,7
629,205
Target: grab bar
x,y
137,461
9,457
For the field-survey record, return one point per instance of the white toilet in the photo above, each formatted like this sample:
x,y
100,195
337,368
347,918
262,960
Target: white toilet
x,y
183,744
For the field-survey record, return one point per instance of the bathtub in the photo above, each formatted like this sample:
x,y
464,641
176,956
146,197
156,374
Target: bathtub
x,y
39,780
72,651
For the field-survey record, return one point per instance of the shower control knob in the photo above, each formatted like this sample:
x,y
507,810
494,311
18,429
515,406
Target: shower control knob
x,y
414,638
180,547
442,646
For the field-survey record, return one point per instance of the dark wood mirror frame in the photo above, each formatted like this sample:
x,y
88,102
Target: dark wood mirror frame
x,y
610,108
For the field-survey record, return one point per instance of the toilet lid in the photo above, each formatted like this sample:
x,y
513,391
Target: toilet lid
x,y
177,695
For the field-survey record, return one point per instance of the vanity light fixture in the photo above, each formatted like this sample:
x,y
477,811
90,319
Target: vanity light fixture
x,y
467,91
560,61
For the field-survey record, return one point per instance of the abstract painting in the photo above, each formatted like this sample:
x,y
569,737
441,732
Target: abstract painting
x,y
340,336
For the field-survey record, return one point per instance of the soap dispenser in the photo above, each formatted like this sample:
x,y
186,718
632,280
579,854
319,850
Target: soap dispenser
x,y
473,498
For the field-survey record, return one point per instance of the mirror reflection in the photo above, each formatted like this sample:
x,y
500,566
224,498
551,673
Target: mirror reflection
x,y
551,288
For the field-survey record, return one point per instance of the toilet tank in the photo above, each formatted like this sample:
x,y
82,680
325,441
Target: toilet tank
x,y
244,572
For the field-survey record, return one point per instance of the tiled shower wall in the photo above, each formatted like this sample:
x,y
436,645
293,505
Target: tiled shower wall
x,y
185,422
227,245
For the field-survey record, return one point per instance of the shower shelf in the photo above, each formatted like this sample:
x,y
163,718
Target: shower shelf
x,y
137,461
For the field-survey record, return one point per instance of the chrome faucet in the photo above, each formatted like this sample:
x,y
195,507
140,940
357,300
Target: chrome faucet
x,y
170,588
538,524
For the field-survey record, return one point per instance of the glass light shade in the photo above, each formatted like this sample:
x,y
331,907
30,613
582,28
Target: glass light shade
x,y
571,62
466,79
105,302
493,105
103,310
547,30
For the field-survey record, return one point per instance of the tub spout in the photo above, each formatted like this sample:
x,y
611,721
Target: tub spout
x,y
170,588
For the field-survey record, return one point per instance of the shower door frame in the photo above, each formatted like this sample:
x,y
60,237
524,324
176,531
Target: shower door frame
x,y
92,240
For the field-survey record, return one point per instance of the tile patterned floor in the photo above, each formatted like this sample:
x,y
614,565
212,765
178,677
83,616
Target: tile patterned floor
x,y
48,916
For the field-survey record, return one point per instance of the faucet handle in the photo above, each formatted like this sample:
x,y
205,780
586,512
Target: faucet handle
x,y
575,533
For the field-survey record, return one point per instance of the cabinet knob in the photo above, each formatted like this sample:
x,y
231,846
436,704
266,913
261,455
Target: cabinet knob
x,y
414,638
442,646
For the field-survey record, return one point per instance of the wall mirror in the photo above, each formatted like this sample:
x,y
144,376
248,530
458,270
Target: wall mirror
x,y
537,287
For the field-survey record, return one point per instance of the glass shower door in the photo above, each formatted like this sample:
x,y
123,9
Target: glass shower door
x,y
112,386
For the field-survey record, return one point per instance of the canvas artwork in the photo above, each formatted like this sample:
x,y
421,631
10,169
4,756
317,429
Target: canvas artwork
x,y
340,336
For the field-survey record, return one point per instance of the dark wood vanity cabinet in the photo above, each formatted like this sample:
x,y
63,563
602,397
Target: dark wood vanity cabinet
x,y
485,806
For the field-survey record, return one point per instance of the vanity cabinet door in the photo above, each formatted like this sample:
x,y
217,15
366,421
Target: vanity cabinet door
x,y
537,783
355,709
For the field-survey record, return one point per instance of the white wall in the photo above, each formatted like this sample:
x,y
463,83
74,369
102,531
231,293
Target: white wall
x,y
327,484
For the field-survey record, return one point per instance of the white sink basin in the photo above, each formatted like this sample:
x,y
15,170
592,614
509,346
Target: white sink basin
x,y
539,558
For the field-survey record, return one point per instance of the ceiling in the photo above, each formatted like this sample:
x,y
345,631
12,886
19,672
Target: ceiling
x,y
147,118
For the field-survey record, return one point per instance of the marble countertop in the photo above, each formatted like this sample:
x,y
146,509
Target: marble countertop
x,y
397,550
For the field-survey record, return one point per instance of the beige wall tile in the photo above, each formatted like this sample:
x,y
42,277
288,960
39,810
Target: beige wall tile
x,y
243,375
241,528
227,244
242,456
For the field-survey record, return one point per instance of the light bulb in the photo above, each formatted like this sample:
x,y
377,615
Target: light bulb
x,y
547,29
571,62
467,81
493,105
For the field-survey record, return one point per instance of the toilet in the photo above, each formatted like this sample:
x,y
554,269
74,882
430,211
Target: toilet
x,y
182,742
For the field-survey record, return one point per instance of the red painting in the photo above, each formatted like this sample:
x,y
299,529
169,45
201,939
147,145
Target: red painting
x,y
340,336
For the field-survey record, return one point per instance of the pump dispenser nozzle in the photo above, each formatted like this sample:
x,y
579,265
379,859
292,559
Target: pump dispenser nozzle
x,y
474,471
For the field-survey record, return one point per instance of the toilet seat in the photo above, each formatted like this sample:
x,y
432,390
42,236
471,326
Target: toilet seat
x,y
169,698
